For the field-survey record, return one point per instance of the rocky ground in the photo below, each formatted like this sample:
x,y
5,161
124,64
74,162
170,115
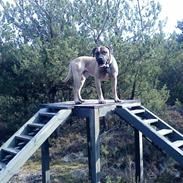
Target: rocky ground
x,y
71,168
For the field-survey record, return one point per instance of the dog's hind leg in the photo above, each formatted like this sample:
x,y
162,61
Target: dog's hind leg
x,y
79,80
69,74
82,81
76,89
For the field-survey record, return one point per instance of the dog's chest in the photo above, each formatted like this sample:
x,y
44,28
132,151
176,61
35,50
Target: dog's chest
x,y
105,73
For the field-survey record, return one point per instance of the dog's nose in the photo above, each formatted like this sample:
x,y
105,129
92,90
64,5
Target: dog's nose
x,y
100,61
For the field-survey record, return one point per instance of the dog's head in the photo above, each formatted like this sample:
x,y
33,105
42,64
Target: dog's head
x,y
102,55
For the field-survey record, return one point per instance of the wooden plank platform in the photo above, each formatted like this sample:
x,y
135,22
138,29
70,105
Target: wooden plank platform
x,y
91,104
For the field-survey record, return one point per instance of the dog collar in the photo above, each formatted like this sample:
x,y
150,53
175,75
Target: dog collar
x,y
109,69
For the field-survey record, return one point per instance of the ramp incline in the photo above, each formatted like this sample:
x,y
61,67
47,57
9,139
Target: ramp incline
x,y
154,129
22,145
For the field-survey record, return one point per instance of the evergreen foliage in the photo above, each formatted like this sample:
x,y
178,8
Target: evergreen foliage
x,y
38,38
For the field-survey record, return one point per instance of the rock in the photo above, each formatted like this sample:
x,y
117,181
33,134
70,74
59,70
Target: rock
x,y
34,177
75,157
79,174
27,177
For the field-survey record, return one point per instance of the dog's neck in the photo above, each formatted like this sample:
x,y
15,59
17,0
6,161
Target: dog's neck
x,y
109,60
109,69
106,69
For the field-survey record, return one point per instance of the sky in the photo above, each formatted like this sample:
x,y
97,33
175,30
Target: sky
x,y
172,9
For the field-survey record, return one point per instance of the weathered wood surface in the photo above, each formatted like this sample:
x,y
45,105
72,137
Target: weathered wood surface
x,y
91,104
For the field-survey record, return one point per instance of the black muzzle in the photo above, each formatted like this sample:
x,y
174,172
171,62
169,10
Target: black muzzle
x,y
101,61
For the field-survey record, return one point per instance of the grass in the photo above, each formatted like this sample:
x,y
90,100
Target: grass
x,y
64,175
60,172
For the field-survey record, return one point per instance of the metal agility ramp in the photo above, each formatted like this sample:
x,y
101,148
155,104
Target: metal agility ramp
x,y
33,134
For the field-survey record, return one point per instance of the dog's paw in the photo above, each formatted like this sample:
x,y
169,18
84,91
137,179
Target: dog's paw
x,y
81,100
102,102
78,102
118,101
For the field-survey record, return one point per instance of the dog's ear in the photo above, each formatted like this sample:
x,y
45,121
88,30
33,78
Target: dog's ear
x,y
93,52
110,49
110,52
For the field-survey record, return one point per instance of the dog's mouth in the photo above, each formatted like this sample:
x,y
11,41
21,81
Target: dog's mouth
x,y
102,63
104,66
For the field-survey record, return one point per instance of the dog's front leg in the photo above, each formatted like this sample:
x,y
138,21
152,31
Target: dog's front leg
x,y
114,87
99,90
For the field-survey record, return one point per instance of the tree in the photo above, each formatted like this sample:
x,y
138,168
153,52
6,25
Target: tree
x,y
35,48
180,27
38,38
172,69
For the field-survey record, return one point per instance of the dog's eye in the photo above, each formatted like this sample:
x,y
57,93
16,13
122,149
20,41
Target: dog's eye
x,y
104,52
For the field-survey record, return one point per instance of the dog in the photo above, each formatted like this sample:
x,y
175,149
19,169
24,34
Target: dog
x,y
102,66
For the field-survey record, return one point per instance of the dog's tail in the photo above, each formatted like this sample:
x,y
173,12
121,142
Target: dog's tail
x,y
69,75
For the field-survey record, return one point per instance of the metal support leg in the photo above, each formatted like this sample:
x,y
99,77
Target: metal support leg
x,y
104,124
138,156
89,146
94,145
45,162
